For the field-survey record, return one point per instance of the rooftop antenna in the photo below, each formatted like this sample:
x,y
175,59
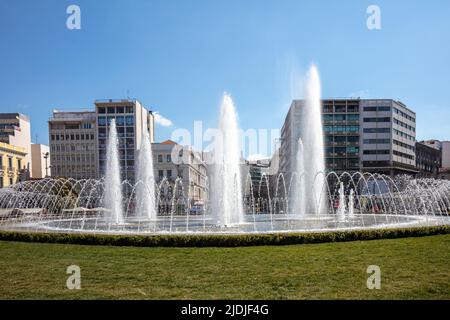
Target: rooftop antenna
x,y
128,94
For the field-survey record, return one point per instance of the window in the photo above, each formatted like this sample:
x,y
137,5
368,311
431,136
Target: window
x,y
384,119
120,110
120,121
101,121
168,158
169,173
377,152
11,181
110,110
129,120
377,130
160,158
10,163
101,110
160,174
129,109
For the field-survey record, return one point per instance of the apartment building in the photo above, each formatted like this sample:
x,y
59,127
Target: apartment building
x,y
371,135
12,164
15,129
172,161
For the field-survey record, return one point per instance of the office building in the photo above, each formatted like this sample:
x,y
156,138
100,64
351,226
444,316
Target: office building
x,y
73,144
15,129
78,139
428,160
40,161
12,164
371,135
131,119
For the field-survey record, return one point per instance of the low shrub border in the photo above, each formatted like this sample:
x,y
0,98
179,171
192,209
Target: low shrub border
x,y
221,240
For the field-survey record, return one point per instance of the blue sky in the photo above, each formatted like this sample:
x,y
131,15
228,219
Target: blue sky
x,y
178,57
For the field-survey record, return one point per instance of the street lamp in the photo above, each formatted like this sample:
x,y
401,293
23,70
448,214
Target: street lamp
x,y
46,155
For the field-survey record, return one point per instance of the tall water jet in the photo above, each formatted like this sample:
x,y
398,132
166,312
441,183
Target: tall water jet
x,y
341,209
351,203
299,200
312,137
227,199
113,184
145,194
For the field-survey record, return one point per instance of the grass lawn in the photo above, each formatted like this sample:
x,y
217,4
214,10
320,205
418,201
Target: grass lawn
x,y
411,268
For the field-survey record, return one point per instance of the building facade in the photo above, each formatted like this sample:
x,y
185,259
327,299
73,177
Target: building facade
x,y
12,164
371,135
78,139
73,144
172,161
15,129
132,118
428,160
444,172
40,161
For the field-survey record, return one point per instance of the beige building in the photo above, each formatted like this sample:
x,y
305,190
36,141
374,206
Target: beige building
x,y
73,144
40,161
15,129
172,161
12,164
78,139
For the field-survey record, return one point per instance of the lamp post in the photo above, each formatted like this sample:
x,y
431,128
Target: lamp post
x,y
46,155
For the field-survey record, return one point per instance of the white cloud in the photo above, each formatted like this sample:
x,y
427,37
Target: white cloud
x,y
162,121
363,94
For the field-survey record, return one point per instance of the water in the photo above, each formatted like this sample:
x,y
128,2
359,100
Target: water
x,y
299,200
113,184
227,183
313,145
145,194
100,206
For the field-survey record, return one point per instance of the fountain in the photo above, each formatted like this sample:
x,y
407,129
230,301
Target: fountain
x,y
313,146
227,196
113,184
299,201
341,207
146,207
102,206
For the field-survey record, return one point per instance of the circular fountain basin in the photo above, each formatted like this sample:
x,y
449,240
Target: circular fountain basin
x,y
261,223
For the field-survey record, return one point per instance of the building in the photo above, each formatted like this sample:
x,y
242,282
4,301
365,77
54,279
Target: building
x,y
12,164
78,139
131,119
40,161
444,172
73,144
15,129
371,135
428,160
172,161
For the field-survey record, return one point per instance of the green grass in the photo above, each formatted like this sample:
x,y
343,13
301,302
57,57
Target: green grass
x,y
411,268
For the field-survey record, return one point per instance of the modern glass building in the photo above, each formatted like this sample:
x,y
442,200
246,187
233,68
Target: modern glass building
x,y
370,135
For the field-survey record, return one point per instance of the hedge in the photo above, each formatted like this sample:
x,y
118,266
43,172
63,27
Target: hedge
x,y
221,240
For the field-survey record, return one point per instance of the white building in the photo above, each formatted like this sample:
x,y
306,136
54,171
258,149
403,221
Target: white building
x,y
40,161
